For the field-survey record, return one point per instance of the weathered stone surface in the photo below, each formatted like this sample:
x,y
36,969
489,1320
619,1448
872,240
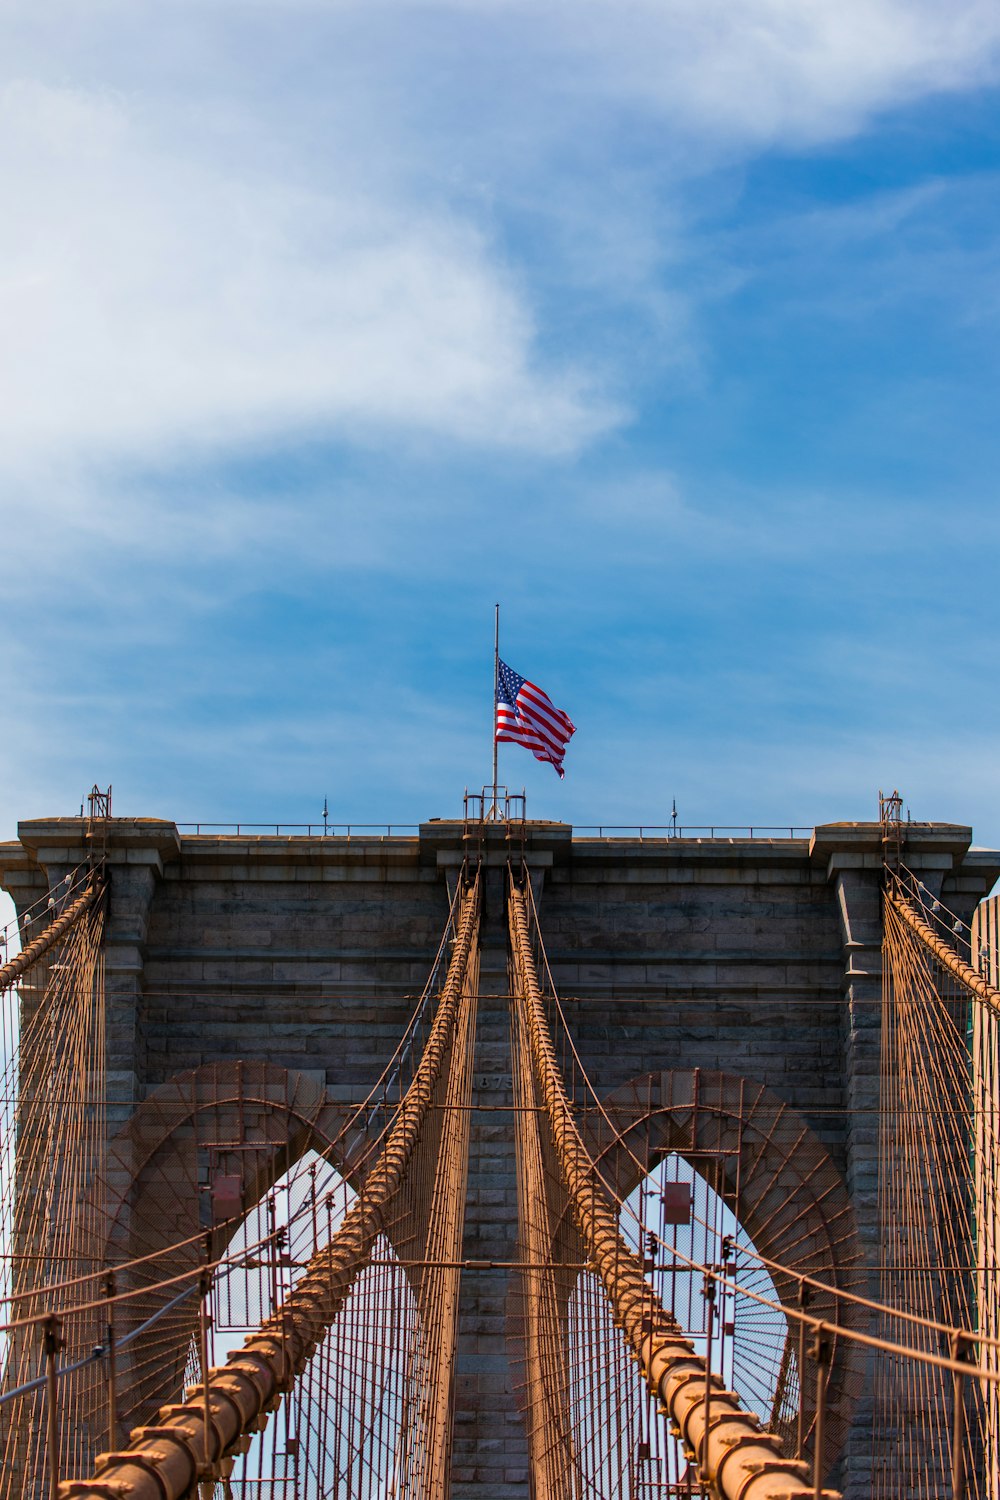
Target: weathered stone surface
x,y
758,958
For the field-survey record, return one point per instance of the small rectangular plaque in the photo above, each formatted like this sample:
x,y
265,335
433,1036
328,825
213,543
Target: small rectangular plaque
x,y
676,1203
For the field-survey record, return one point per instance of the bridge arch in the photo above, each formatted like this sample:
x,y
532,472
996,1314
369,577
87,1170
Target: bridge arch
x,y
779,1182
340,1429
204,1148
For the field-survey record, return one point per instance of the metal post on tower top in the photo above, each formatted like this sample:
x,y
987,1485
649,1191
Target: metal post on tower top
x,y
493,713
890,813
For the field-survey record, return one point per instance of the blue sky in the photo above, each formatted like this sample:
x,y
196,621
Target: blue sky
x,y
671,326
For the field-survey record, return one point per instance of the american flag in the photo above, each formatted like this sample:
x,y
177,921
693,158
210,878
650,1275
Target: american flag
x,y
527,716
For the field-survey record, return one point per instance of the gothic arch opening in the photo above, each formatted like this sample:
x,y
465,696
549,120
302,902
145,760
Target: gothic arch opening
x,y
677,1223
339,1430
204,1149
762,1188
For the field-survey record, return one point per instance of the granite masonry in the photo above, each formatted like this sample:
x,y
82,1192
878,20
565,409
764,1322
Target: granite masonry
x,y
300,957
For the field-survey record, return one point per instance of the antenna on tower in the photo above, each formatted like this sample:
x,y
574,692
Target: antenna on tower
x,y
98,813
890,816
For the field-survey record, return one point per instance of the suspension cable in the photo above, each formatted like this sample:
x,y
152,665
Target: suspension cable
x,y
741,1461
164,1463
12,970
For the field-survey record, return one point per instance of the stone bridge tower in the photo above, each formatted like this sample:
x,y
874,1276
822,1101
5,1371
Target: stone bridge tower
x,y
258,985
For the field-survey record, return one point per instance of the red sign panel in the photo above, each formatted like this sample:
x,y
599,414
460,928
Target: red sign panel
x,y
227,1198
676,1203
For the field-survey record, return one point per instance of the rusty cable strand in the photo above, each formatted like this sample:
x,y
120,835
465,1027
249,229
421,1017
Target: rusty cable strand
x,y
222,1263
381,1084
52,1287
357,1110
164,1461
951,960
743,1461
886,1308
39,906
837,1330
532,911
939,1074
16,966
985,992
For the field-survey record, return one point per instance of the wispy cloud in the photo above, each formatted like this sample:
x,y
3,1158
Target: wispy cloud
x,y
327,325
750,72
183,265
151,300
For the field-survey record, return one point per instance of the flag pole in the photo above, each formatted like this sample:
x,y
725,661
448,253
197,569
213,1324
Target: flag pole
x,y
496,683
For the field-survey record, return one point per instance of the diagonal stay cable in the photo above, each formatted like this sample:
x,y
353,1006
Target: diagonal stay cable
x,y
742,1461
12,970
942,951
165,1461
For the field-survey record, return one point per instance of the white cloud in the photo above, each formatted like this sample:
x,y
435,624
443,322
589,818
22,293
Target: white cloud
x,y
228,226
238,227
756,71
150,299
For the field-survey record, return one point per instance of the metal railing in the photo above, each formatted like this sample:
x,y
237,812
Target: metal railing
x,y
479,808
304,830
495,804
729,831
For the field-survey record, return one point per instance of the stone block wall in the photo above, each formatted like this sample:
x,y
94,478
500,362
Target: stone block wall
x,y
758,958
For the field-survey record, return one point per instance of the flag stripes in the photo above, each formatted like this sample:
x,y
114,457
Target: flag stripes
x,y
527,716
